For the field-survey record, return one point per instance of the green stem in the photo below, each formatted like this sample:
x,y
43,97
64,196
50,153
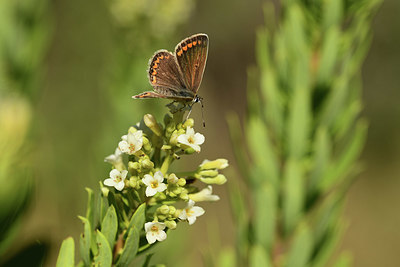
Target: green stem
x,y
167,161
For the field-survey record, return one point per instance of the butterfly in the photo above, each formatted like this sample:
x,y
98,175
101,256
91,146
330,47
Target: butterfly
x,y
178,76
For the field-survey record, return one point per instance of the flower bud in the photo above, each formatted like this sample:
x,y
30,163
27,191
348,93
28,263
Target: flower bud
x,y
132,182
146,144
170,224
105,191
189,150
172,179
204,195
147,164
215,164
161,217
188,122
184,196
151,122
219,179
177,190
208,173
172,210
164,209
174,138
166,147
132,130
181,182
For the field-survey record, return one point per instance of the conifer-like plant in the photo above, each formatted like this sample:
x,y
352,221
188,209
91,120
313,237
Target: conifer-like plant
x,y
143,199
303,132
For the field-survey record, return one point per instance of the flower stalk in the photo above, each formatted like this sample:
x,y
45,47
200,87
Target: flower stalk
x,y
140,201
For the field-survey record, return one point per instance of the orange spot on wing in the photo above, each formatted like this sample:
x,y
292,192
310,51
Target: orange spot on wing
x,y
194,43
179,53
199,41
155,66
184,48
154,80
154,72
161,57
190,45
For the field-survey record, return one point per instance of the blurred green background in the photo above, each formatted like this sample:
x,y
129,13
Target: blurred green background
x,y
97,59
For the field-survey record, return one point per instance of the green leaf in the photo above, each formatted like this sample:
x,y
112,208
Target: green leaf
x,y
338,170
109,226
321,159
90,207
226,258
293,194
299,117
265,215
66,256
104,257
138,218
262,152
132,241
259,257
328,58
333,13
131,247
301,247
85,241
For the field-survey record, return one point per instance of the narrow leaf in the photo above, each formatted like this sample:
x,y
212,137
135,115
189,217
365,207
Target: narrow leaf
x,y
265,215
131,247
259,257
66,255
301,248
90,207
104,257
85,241
138,218
109,225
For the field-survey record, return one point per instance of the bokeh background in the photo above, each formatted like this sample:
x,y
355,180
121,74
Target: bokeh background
x,y
97,59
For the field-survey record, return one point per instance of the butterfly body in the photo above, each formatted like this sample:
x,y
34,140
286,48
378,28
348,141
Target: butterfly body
x,y
178,75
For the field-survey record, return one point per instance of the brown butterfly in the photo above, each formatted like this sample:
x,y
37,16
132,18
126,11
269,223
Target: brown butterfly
x,y
178,76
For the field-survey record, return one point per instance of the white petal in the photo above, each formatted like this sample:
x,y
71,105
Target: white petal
x,y
195,147
123,146
147,226
183,215
183,139
114,173
119,186
151,237
131,138
197,211
150,191
124,137
160,226
199,139
161,187
147,179
138,134
192,219
161,236
159,176
111,159
190,204
109,182
189,131
123,174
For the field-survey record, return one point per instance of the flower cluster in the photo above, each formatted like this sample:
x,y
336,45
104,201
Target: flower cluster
x,y
141,174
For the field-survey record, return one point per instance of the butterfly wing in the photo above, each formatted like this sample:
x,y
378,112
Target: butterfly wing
x,y
191,55
166,78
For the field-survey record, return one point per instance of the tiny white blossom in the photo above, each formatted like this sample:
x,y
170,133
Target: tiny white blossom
x,y
191,212
116,179
191,139
155,231
154,184
131,143
204,195
115,158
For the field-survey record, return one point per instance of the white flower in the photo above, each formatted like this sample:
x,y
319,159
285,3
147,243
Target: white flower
x,y
204,195
154,231
131,143
115,158
116,179
191,139
154,184
191,212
